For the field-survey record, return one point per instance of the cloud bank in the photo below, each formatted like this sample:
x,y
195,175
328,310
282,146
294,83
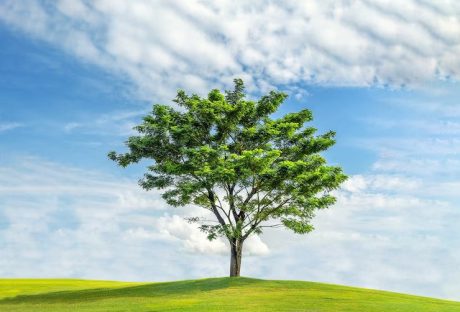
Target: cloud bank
x,y
61,221
164,45
389,231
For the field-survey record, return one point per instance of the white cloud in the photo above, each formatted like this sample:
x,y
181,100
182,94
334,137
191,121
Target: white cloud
x,y
420,137
71,126
254,246
355,183
63,221
119,123
419,165
56,220
435,126
9,126
388,226
400,218
193,240
196,45
375,239
381,182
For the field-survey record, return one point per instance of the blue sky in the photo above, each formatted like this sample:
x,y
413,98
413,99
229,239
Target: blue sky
x,y
76,76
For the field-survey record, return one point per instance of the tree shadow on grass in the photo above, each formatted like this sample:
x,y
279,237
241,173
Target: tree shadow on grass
x,y
148,290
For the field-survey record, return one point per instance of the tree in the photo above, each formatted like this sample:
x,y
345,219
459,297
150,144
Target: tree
x,y
229,156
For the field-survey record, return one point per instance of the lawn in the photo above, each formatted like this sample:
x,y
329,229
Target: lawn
x,y
214,294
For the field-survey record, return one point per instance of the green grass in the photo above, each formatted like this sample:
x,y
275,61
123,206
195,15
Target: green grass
x,y
214,294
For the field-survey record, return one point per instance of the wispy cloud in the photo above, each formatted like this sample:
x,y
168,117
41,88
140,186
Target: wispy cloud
x,y
164,45
9,126
119,123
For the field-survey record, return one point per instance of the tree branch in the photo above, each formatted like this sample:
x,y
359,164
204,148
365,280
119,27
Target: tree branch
x,y
256,223
212,200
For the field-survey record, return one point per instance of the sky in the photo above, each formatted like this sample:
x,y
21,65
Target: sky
x,y
76,76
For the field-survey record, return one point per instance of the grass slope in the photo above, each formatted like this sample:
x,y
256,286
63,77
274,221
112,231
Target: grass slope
x,y
214,294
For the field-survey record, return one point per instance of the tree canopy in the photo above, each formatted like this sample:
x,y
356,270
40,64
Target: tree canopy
x,y
230,156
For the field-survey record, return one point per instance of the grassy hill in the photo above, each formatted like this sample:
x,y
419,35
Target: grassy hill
x,y
214,294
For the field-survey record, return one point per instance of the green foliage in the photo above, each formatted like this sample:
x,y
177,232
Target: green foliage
x,y
229,155
215,294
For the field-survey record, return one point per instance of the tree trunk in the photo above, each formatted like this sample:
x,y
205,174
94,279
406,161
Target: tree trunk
x,y
236,249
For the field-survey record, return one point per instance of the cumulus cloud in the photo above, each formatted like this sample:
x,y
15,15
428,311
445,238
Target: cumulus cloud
x,y
175,228
164,45
192,238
